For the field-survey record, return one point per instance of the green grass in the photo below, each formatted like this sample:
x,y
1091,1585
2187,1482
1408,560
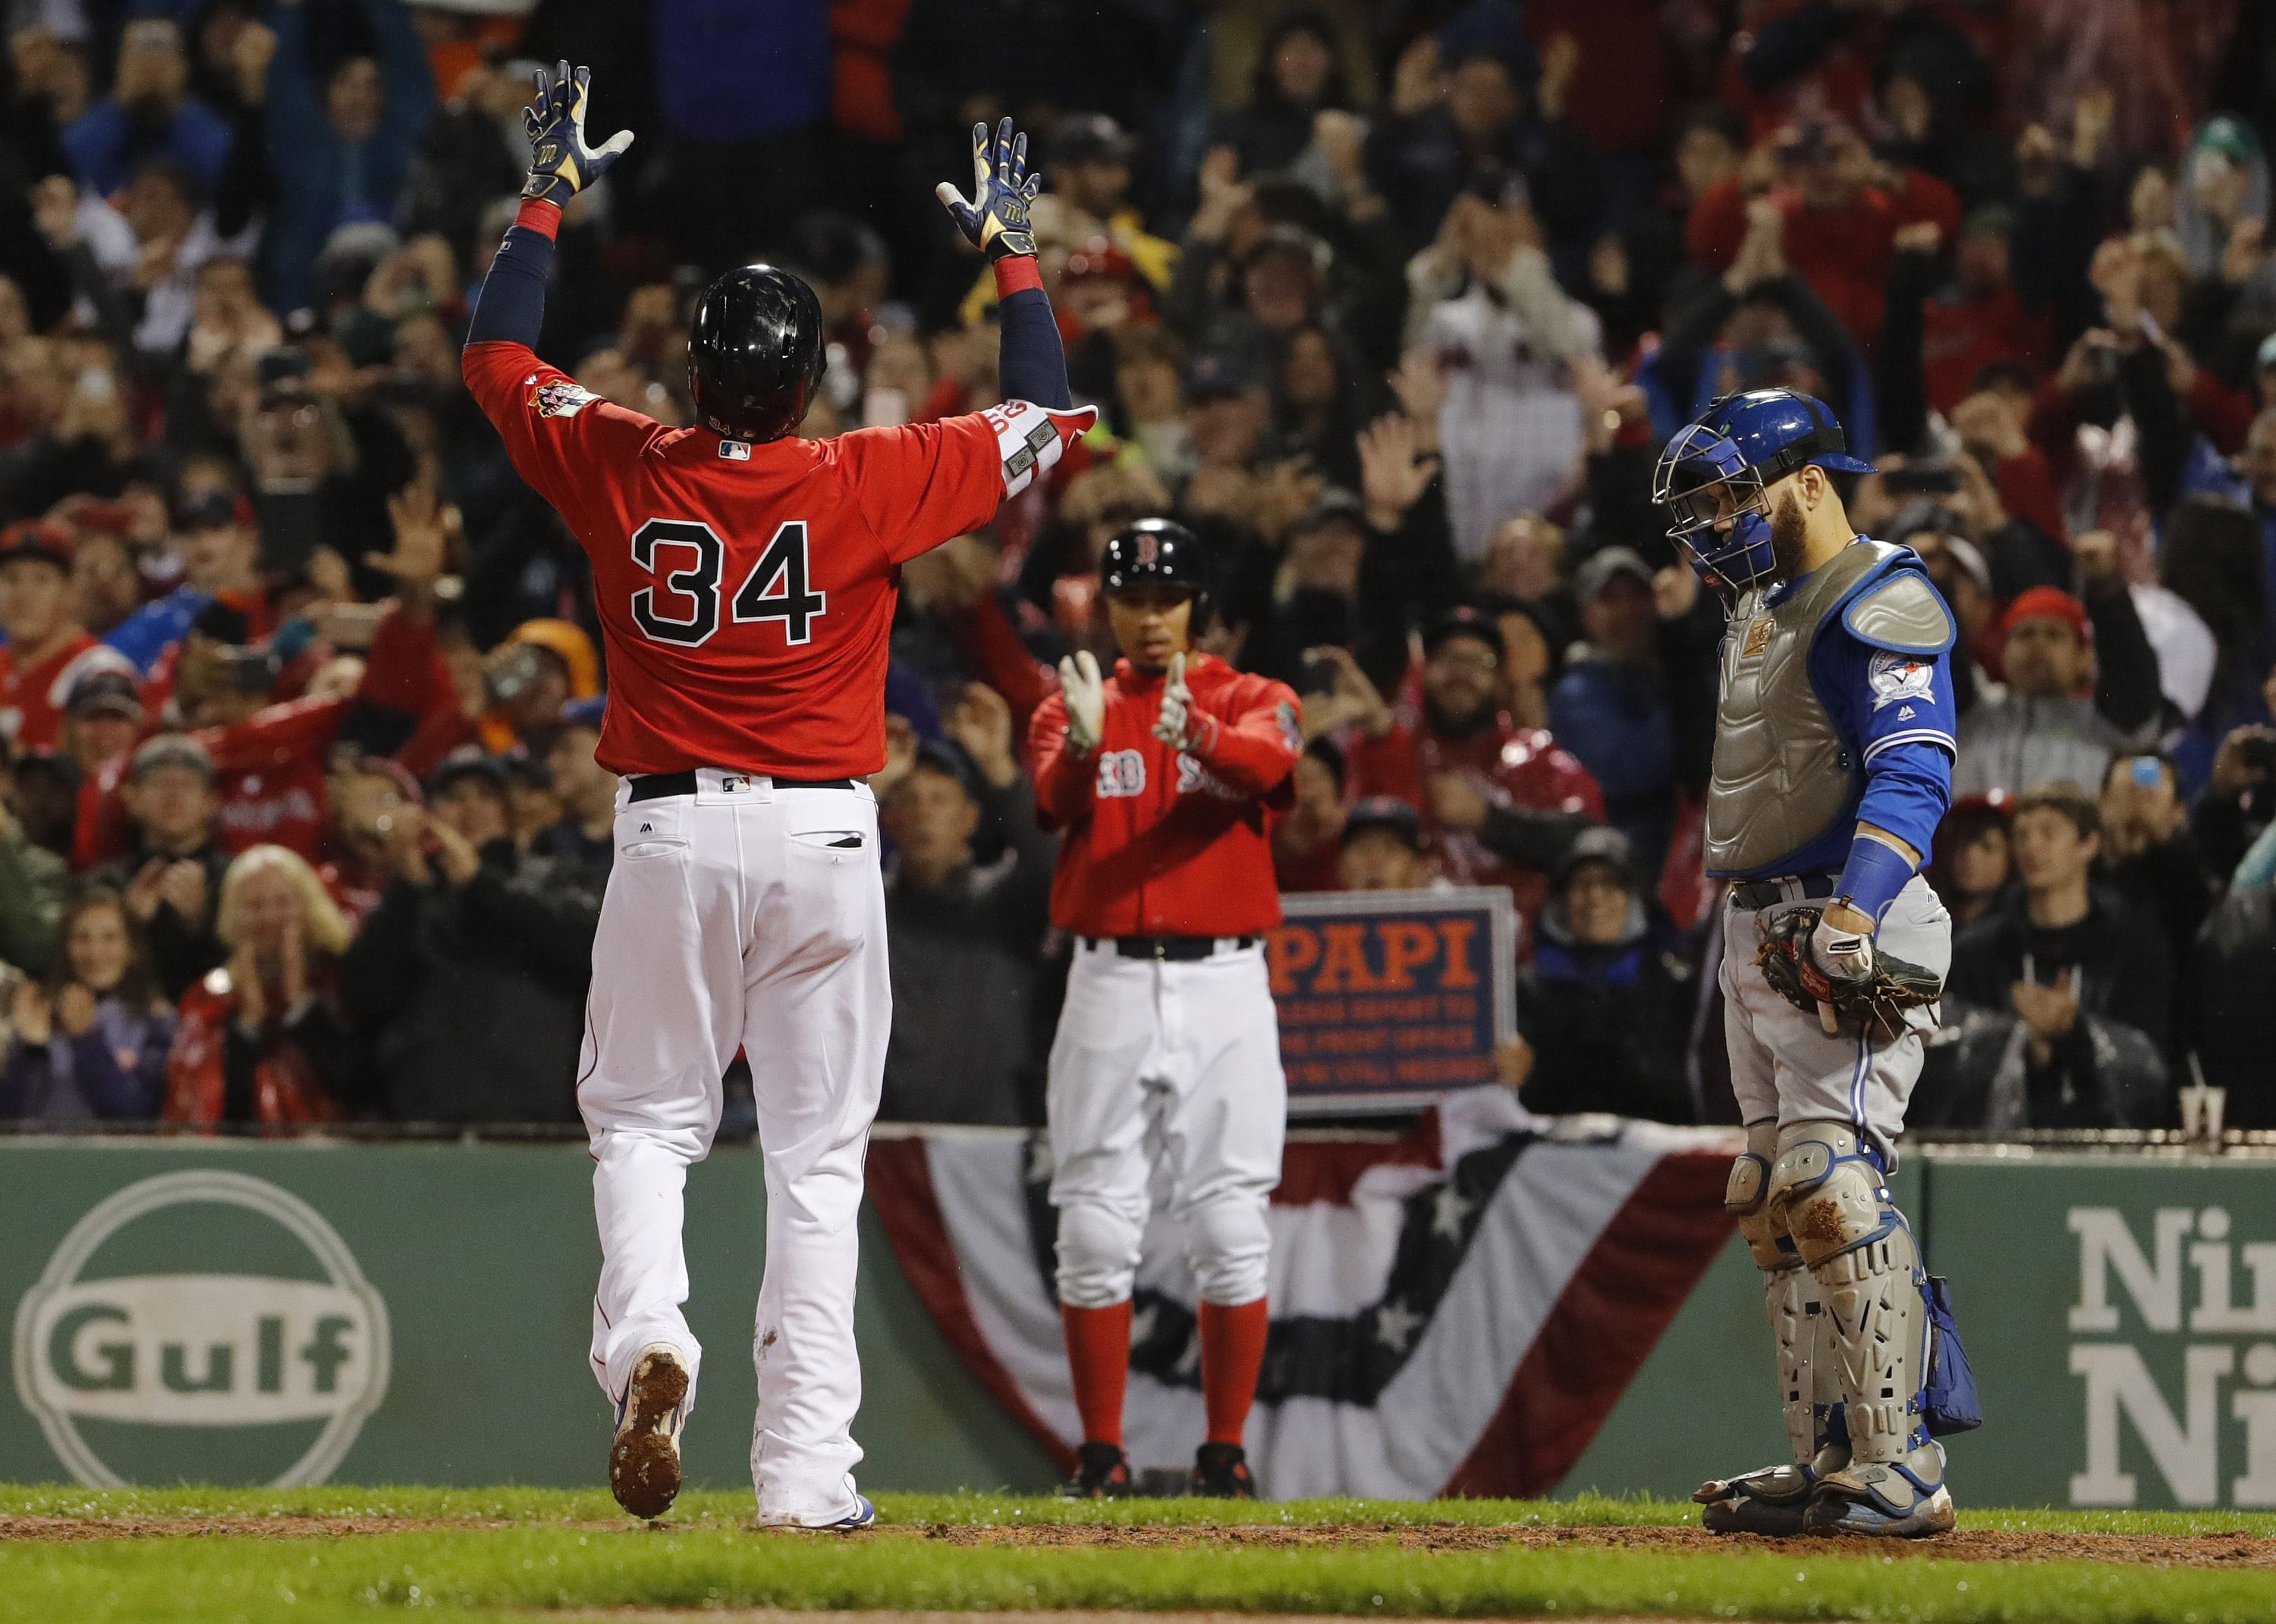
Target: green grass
x,y
572,1551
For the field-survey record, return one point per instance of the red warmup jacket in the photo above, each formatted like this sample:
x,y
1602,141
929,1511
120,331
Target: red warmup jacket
x,y
1163,842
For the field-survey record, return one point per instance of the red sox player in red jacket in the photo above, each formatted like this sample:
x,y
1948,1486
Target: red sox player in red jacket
x,y
1167,776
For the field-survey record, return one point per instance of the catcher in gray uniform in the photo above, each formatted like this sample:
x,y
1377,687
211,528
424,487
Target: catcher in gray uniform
x,y
1833,753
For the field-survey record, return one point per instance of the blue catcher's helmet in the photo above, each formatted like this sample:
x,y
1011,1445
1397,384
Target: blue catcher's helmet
x,y
1712,476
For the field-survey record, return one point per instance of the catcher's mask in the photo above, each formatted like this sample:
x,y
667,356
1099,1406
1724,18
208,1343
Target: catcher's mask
x,y
1715,474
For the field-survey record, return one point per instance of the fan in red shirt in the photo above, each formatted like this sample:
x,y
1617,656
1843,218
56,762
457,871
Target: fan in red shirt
x,y
1842,210
1167,776
47,647
1499,802
270,761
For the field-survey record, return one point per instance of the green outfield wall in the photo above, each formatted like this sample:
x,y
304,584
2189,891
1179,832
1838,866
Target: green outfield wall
x,y
305,1312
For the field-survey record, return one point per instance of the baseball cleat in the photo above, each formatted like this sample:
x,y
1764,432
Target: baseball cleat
x,y
1772,1500
1889,1501
863,1516
1101,1472
1221,1473
644,1460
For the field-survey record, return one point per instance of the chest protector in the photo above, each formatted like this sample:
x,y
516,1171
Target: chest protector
x,y
1783,772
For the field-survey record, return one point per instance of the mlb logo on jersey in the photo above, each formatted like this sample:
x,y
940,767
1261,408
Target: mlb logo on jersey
x,y
557,396
1894,677
734,451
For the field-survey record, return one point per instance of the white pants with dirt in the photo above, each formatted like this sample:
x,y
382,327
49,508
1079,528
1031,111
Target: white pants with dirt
x,y
1165,1075
1784,1067
752,917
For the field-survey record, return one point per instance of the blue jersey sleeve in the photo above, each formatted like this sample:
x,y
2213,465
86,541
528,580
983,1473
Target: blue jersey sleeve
x,y
1898,710
1898,699
1907,788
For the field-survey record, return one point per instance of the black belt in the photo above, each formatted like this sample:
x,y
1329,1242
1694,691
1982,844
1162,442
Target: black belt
x,y
1762,893
1168,949
656,786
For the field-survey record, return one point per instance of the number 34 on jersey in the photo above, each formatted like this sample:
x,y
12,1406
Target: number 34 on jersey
x,y
689,559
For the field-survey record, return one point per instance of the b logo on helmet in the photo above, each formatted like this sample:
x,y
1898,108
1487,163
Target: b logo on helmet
x,y
1150,549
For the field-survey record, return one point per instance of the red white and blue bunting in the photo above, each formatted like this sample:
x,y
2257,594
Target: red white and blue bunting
x,y
1454,1312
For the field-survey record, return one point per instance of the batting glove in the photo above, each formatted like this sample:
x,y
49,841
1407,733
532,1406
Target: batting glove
x,y
1844,955
1840,956
994,218
1175,723
1085,692
560,163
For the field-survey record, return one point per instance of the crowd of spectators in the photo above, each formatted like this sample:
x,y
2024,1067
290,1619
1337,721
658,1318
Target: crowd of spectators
x,y
1393,303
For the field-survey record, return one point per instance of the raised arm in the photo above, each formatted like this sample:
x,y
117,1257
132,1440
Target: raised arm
x,y
1031,362
557,434
511,308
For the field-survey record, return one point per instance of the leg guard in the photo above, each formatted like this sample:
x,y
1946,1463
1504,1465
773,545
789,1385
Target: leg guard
x,y
1772,1499
1828,1193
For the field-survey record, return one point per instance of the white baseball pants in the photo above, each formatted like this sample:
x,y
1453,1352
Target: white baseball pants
x,y
742,916
1171,1069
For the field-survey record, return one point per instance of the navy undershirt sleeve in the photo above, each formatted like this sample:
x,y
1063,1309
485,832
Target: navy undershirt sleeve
x,y
1031,362
511,308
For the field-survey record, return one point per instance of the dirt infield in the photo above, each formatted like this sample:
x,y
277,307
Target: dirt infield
x,y
2221,1551
2229,1551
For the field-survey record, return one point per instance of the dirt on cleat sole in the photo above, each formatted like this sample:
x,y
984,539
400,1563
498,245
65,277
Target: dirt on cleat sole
x,y
644,1460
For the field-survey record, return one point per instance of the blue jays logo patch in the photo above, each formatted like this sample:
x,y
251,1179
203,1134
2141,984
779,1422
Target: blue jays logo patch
x,y
1894,677
559,397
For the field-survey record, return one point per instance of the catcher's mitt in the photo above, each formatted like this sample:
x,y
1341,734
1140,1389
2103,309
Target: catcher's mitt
x,y
1877,1003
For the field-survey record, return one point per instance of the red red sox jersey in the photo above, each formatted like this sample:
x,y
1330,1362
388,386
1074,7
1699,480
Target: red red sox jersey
x,y
1163,842
746,592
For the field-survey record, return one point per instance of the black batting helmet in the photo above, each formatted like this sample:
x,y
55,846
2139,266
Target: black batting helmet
x,y
756,353
1158,551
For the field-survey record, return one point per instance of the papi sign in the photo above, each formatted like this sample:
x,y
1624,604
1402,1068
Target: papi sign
x,y
1388,999
206,1326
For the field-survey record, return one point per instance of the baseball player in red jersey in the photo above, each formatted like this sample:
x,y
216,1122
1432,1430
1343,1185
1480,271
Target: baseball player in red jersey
x,y
745,582
1167,776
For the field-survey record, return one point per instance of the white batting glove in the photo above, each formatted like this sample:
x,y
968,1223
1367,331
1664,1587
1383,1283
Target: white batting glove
x,y
1085,692
1173,723
1844,955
